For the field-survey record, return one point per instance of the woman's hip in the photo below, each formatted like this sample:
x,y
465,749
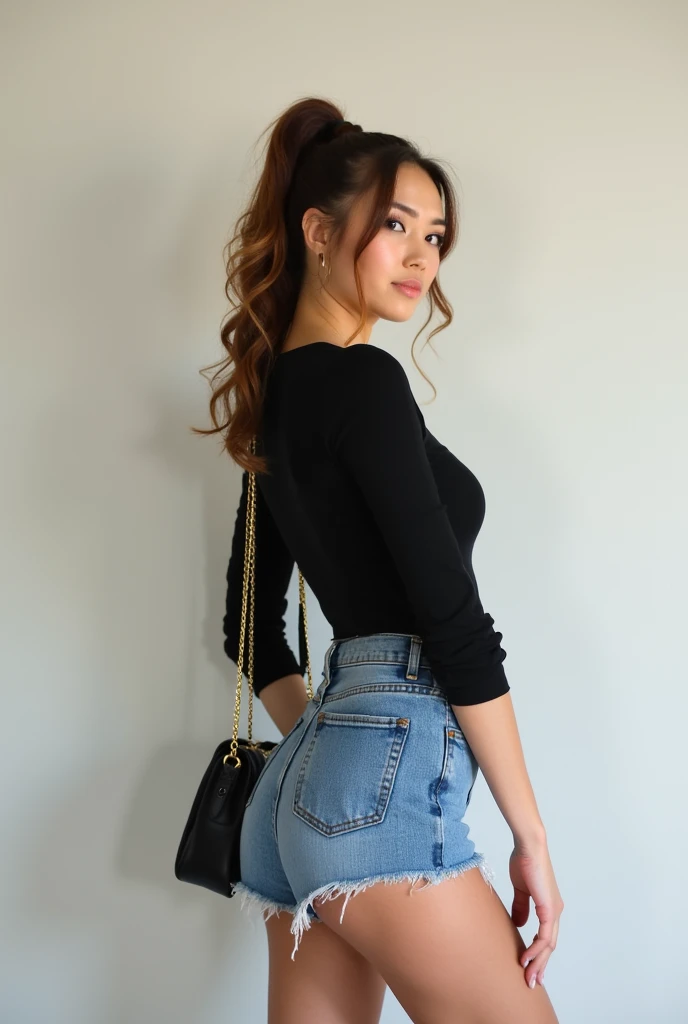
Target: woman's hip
x,y
378,750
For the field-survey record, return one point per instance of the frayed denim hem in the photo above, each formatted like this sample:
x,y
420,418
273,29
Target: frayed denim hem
x,y
252,898
330,891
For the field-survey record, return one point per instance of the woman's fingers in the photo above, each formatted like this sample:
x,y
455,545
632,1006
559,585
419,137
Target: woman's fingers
x,y
533,878
542,938
520,907
536,956
555,935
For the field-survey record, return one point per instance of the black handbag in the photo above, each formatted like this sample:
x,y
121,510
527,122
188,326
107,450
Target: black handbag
x,y
208,853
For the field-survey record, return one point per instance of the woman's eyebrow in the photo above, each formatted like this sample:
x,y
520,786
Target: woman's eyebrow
x,y
414,213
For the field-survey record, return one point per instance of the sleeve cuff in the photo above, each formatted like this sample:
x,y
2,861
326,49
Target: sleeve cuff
x,y
478,691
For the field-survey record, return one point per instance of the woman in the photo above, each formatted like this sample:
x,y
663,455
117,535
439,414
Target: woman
x,y
365,794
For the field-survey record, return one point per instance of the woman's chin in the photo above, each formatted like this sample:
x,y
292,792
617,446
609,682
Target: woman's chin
x,y
397,313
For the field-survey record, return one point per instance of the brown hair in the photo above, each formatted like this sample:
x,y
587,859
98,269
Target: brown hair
x,y
314,158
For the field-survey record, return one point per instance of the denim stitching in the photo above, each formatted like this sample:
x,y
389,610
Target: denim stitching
x,y
424,689
371,658
413,664
270,758
316,702
386,783
278,788
443,773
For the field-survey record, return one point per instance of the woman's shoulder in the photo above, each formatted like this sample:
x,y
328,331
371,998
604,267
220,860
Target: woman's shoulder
x,y
374,354
366,366
328,349
368,388
357,370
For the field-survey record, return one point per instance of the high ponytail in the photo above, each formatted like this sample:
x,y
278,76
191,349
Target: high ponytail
x,y
314,157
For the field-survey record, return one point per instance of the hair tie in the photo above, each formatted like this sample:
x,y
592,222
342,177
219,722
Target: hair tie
x,y
329,131
333,129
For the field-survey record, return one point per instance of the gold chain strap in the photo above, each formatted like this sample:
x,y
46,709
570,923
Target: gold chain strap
x,y
250,574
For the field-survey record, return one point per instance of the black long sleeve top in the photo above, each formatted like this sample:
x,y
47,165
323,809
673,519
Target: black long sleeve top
x,y
380,517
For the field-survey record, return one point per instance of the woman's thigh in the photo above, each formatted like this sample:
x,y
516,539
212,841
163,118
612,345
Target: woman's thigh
x,y
329,981
449,952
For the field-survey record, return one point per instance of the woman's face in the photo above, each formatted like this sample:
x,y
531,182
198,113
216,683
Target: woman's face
x,y
405,248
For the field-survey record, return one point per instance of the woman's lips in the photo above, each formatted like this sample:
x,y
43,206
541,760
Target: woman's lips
x,y
408,289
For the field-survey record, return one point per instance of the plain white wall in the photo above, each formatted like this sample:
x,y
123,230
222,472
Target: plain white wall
x,y
126,157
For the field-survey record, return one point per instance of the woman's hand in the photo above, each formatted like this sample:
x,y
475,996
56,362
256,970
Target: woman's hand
x,y
532,875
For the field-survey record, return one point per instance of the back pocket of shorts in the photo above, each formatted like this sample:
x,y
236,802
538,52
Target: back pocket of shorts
x,y
346,776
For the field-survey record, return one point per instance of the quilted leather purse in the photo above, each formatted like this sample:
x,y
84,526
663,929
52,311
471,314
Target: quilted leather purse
x,y
208,853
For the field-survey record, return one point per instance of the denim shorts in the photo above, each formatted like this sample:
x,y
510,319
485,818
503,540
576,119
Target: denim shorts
x,y
370,785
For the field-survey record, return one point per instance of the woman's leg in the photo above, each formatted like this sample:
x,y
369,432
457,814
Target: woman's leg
x,y
449,952
328,982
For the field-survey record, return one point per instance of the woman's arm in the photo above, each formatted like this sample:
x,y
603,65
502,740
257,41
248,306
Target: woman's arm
x,y
492,734
285,700
276,671
379,438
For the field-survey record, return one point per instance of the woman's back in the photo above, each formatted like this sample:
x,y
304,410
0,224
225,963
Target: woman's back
x,y
378,514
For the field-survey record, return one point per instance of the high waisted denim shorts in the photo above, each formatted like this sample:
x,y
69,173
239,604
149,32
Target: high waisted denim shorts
x,y
370,785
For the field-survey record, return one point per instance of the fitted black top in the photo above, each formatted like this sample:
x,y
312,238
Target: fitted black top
x,y
380,517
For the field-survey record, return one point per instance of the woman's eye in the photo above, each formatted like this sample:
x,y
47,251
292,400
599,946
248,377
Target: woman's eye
x,y
437,234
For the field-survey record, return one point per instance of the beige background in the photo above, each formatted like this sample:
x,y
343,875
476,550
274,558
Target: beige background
x,y
126,155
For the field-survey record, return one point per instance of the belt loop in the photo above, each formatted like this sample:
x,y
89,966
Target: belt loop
x,y
414,658
326,681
